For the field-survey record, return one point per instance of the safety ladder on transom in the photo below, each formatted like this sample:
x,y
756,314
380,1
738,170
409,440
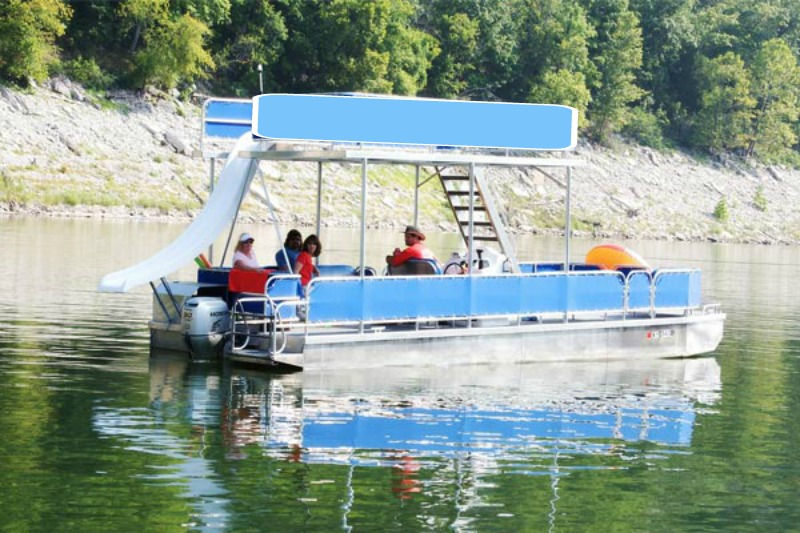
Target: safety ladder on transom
x,y
486,222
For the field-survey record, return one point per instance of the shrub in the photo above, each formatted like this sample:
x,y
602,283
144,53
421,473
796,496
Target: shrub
x,y
88,73
721,210
759,200
645,128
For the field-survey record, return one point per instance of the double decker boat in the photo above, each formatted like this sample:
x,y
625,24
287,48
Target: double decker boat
x,y
496,310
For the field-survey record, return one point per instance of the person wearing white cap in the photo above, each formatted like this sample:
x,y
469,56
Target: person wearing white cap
x,y
244,258
415,249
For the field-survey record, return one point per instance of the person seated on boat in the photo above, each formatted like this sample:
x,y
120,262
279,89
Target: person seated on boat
x,y
244,258
305,260
290,251
415,249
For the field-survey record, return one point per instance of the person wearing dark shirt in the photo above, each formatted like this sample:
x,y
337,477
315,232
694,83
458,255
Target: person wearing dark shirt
x,y
290,250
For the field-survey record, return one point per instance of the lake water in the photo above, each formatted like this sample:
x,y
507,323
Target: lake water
x,y
98,435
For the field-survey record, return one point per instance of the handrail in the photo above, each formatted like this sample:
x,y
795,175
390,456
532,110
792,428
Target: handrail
x,y
274,319
625,301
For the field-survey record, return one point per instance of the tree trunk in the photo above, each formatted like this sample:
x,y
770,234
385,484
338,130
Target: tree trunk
x,y
136,34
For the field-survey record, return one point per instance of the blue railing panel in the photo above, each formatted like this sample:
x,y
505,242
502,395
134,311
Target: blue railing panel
x,y
335,270
408,298
229,109
542,294
639,290
695,288
284,288
228,131
227,118
391,298
397,298
445,296
335,301
672,289
597,292
496,295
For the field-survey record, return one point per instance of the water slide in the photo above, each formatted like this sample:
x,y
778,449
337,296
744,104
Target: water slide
x,y
218,213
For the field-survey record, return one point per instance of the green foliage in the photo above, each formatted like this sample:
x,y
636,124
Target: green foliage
x,y
28,30
11,189
759,200
173,53
141,15
646,128
616,52
457,35
669,38
255,34
726,109
411,52
87,72
775,88
209,12
721,210
350,45
477,43
563,87
553,37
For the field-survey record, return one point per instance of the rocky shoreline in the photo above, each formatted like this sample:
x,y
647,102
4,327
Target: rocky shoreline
x,y
68,153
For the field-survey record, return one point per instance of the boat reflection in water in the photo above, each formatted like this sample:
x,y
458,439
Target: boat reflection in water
x,y
355,417
532,419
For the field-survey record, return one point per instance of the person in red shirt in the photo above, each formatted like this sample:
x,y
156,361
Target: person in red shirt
x,y
415,249
304,264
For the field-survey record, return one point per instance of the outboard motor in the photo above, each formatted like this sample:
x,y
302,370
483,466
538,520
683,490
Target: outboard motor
x,y
206,323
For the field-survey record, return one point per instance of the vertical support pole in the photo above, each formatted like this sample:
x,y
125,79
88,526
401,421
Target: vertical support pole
x,y
210,191
319,203
203,127
471,225
567,234
363,253
471,240
416,197
319,197
568,221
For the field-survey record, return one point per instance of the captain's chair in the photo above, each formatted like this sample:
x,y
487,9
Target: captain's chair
x,y
415,267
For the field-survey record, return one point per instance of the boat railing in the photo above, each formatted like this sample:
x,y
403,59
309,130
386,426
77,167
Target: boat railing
x,y
260,316
462,300
349,300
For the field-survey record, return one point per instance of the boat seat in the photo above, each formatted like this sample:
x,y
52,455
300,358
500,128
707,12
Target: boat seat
x,y
415,267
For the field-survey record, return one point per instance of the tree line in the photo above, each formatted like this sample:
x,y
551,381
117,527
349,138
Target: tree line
x,y
717,75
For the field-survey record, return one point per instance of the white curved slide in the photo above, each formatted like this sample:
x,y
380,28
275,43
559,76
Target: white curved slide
x,y
204,229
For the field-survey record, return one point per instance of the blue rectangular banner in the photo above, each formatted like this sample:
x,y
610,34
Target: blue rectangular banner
x,y
414,121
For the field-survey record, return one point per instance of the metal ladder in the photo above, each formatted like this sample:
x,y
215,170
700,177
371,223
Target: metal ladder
x,y
487,224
